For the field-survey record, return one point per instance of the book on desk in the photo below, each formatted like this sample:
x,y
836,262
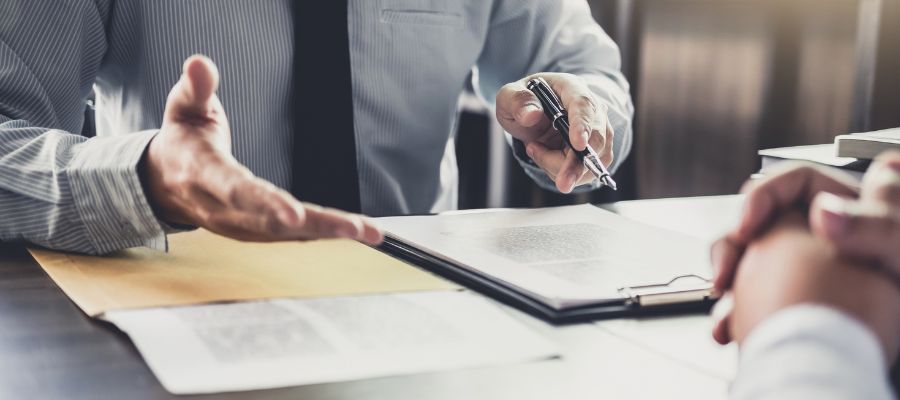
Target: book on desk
x,y
850,153
771,160
867,145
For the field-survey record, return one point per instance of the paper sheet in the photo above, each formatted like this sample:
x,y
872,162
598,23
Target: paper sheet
x,y
566,255
287,342
687,339
202,267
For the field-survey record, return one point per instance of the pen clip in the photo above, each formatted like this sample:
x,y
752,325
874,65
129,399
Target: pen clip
x,y
553,107
666,293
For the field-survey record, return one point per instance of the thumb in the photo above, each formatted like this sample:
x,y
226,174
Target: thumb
x,y
519,112
193,94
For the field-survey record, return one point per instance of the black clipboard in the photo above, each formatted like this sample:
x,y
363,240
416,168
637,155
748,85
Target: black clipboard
x,y
637,301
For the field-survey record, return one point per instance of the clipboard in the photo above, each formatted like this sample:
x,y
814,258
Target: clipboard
x,y
664,298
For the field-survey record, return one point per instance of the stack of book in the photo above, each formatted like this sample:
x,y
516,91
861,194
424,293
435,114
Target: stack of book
x,y
851,153
867,145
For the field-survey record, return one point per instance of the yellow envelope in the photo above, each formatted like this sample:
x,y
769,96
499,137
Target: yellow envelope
x,y
203,267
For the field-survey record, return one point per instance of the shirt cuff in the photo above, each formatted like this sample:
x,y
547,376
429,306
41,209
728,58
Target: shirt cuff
x,y
108,195
811,351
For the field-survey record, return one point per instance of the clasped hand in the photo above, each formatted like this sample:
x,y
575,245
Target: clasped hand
x,y
860,224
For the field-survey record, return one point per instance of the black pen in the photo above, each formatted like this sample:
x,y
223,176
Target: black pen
x,y
554,110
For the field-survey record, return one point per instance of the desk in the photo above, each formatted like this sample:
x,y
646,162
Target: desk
x,y
49,349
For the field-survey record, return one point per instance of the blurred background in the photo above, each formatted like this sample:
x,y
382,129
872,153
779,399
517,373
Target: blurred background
x,y
712,82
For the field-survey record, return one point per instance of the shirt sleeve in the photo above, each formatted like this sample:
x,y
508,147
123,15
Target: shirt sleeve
x,y
527,37
811,352
59,189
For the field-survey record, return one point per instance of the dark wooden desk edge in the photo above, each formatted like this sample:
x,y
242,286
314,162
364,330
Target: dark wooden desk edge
x,y
49,349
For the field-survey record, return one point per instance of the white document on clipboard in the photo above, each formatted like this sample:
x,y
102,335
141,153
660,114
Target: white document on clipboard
x,y
566,257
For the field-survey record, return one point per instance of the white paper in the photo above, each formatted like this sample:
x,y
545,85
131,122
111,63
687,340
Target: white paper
x,y
288,342
687,339
565,255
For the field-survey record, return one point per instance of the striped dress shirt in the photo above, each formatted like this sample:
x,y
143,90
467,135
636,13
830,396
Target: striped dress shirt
x,y
410,61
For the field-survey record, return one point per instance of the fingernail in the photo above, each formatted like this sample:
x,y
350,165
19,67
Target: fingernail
x,y
284,217
574,178
348,233
723,307
530,151
586,135
835,217
527,108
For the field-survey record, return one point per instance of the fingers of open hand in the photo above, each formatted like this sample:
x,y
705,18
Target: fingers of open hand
x,y
787,190
328,222
267,226
372,233
261,212
226,198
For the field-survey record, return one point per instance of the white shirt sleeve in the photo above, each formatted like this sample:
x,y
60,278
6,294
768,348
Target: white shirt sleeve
x,y
59,189
811,352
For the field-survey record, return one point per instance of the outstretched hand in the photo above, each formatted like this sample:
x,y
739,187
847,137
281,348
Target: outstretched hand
x,y
190,176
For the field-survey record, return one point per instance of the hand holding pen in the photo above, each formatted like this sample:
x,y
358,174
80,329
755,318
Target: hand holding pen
x,y
555,111
521,113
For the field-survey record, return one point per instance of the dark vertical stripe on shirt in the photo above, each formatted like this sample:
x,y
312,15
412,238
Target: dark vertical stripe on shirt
x,y
324,158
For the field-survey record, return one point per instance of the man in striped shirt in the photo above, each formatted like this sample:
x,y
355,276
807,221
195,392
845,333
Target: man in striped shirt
x,y
231,142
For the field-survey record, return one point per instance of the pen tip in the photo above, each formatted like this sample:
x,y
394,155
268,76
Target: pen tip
x,y
611,183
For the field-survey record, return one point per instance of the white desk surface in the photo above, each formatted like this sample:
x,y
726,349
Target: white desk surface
x,y
648,358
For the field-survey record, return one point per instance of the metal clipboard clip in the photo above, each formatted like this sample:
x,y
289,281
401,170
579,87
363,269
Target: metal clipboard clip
x,y
668,293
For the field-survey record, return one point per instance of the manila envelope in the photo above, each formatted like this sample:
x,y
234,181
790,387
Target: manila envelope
x,y
202,267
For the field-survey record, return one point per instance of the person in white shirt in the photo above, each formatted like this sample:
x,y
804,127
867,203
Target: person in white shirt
x,y
810,277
